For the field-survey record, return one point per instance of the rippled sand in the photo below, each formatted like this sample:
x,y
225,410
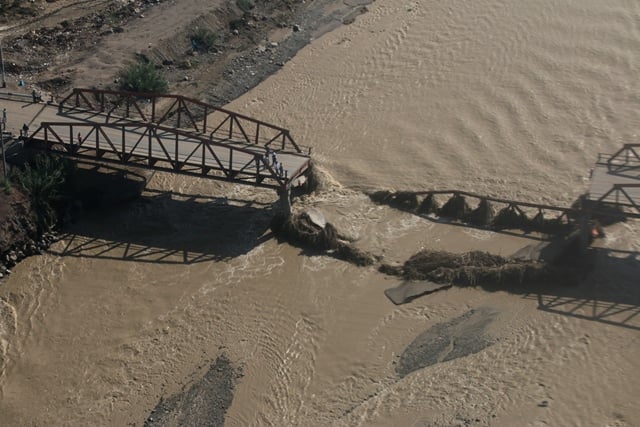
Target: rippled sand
x,y
513,99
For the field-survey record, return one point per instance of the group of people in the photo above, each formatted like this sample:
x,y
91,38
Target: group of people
x,y
24,131
271,159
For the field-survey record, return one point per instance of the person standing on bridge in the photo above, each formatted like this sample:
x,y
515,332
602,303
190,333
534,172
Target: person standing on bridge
x,y
4,119
25,130
79,137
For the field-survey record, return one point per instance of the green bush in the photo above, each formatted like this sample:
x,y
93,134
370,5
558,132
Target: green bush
x,y
203,39
143,77
44,179
6,186
245,5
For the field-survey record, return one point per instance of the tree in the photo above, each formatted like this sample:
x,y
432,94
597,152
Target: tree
x,y
143,77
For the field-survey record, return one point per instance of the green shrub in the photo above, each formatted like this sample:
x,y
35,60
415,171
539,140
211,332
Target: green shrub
x,y
203,39
43,179
6,186
245,5
143,77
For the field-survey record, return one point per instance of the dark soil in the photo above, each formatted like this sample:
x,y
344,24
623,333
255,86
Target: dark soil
x,y
233,65
19,235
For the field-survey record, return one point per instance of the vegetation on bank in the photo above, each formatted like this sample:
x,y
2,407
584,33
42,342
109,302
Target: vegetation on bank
x,y
245,5
143,77
44,179
6,186
203,39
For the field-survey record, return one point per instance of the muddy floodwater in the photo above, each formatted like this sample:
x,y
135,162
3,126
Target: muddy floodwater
x,y
513,99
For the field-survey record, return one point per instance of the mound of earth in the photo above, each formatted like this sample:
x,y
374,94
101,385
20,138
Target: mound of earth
x,y
447,341
203,403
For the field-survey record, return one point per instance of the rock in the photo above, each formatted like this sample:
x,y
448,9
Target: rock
x,y
236,32
316,217
295,28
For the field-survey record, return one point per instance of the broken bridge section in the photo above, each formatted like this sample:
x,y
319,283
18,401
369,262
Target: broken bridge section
x,y
615,180
172,133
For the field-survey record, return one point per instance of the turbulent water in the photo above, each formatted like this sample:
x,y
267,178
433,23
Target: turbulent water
x,y
507,98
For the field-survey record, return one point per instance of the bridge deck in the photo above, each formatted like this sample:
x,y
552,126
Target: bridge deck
x,y
159,147
604,177
615,178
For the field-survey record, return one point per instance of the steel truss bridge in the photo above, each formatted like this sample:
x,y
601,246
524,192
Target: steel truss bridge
x,y
171,133
615,179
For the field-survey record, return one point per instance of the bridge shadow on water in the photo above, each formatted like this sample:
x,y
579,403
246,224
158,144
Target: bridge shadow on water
x,y
608,293
168,228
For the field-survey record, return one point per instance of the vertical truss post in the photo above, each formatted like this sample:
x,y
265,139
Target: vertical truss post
x,y
149,136
176,151
95,128
204,125
257,133
204,152
124,155
179,110
257,157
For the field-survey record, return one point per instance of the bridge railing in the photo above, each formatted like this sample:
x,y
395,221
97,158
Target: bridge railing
x,y
619,195
182,113
567,214
161,148
20,97
627,155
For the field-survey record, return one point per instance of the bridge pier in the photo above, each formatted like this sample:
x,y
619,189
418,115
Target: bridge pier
x,y
584,225
285,200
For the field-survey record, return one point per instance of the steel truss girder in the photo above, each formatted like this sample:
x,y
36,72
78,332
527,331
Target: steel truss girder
x,y
232,126
148,145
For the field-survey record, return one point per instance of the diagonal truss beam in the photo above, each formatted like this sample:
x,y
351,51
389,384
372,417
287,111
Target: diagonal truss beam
x,y
148,145
202,117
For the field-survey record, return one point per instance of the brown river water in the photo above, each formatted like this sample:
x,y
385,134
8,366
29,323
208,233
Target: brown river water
x,y
507,98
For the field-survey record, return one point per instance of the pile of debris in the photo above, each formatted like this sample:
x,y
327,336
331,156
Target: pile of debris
x,y
309,230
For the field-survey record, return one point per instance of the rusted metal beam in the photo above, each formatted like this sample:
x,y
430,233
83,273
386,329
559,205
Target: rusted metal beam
x,y
239,134
185,103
